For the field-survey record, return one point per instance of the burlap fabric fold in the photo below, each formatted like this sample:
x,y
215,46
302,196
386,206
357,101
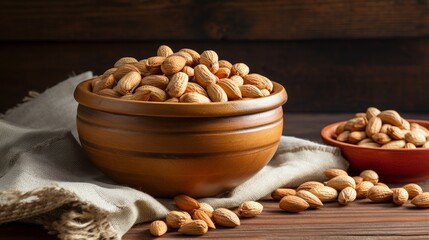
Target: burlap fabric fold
x,y
46,178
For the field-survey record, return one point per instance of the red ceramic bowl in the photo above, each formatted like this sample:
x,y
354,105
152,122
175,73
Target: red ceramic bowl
x,y
392,165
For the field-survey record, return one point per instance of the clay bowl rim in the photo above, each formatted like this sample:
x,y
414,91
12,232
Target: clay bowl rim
x,y
84,96
328,132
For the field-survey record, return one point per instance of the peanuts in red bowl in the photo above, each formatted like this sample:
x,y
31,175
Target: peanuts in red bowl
x,y
393,165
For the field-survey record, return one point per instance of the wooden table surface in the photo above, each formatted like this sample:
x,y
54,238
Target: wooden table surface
x,y
361,219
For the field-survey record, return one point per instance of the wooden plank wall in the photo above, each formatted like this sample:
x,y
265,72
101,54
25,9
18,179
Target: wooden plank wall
x,y
332,56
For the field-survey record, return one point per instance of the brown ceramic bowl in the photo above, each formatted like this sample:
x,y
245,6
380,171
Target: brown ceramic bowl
x,y
166,149
392,165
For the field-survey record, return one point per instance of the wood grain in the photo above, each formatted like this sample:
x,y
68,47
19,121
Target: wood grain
x,y
199,20
44,42
320,76
359,220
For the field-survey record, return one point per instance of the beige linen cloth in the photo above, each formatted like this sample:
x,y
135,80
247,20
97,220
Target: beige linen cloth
x,y
45,177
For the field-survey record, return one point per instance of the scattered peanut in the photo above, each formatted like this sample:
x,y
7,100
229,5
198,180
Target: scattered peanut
x,y
158,228
225,217
333,172
309,185
194,227
421,200
347,195
202,215
293,204
380,194
312,200
196,218
186,203
250,209
341,182
400,196
363,188
345,189
325,193
413,189
279,193
175,219
369,175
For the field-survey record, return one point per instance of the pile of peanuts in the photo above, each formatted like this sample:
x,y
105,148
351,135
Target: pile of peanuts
x,y
345,189
196,218
183,76
385,129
